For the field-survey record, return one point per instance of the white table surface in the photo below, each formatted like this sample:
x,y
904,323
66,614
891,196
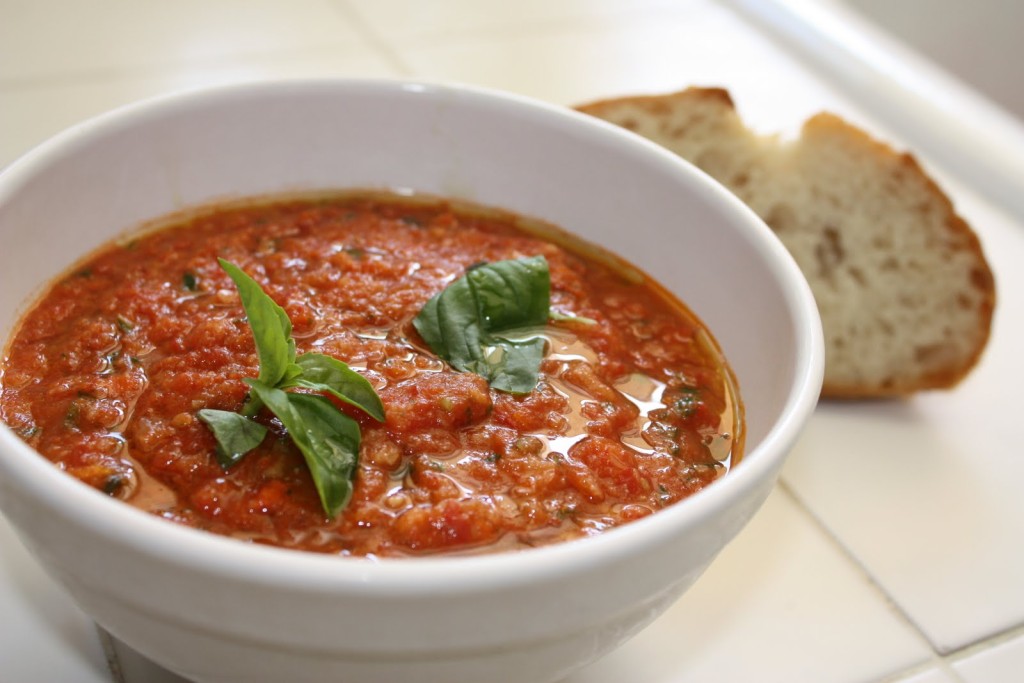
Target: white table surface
x,y
893,548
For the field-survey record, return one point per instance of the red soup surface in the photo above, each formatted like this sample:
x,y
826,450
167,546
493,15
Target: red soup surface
x,y
634,410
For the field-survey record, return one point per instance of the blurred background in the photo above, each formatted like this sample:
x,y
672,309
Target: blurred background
x,y
62,61
979,42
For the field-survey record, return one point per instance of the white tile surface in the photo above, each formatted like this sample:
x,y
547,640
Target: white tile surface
x,y
926,492
903,567
935,674
1002,663
44,636
780,604
400,22
57,40
648,51
31,114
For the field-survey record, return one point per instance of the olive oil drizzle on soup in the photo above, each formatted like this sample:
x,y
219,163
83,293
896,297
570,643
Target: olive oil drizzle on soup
x,y
634,409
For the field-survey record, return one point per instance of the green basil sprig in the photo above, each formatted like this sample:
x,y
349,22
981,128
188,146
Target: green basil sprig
x,y
327,438
469,321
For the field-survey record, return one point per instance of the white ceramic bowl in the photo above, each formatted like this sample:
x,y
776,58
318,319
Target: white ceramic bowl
x,y
215,609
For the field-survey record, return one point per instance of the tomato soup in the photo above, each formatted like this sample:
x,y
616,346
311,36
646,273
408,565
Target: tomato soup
x,y
633,408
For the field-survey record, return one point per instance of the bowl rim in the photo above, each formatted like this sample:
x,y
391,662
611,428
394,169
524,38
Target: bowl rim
x,y
310,572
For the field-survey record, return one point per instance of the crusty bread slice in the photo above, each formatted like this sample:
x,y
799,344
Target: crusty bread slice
x,y
903,288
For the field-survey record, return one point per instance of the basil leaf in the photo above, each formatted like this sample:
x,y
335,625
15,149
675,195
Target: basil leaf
x,y
326,374
462,323
519,367
236,435
450,324
271,328
327,438
512,294
253,404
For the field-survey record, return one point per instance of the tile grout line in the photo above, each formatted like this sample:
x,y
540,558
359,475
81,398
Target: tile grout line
x,y
982,644
110,654
944,661
936,663
426,39
106,74
376,41
937,657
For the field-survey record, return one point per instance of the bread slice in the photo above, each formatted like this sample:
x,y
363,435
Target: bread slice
x,y
903,288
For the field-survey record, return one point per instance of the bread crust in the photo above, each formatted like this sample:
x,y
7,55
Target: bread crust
x,y
904,290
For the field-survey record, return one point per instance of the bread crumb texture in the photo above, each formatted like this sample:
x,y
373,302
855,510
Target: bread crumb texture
x,y
904,291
